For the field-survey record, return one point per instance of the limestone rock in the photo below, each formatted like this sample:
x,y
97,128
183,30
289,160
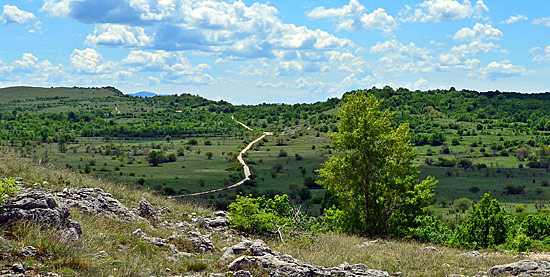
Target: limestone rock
x,y
524,268
146,210
28,251
430,249
473,254
18,268
42,208
152,240
286,265
242,273
200,243
96,202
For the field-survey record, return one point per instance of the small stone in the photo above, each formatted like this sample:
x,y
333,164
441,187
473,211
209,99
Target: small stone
x,y
242,273
167,269
172,259
430,248
101,253
18,268
28,251
473,254
398,273
45,183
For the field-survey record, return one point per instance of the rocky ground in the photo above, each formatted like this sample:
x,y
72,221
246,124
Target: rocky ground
x,y
52,209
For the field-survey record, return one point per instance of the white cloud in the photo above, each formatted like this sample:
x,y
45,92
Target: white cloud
x,y
478,32
228,29
56,8
89,61
443,10
545,21
12,15
540,55
397,57
420,84
502,69
174,67
514,19
30,68
354,16
119,35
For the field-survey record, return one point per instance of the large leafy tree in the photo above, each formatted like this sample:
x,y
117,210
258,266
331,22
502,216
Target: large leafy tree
x,y
375,178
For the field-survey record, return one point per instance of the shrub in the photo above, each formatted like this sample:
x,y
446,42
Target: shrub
x,y
262,215
536,226
8,187
511,189
430,229
486,226
520,208
283,153
474,189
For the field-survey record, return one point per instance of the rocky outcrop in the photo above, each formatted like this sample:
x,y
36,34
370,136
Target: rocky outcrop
x,y
219,223
96,202
523,268
42,208
200,242
260,255
146,210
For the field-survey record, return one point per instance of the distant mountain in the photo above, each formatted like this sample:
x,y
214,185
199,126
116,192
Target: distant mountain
x,y
143,94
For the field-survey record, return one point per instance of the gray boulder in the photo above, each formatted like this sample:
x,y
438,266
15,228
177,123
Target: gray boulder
x,y
42,208
523,268
96,202
146,210
285,265
200,243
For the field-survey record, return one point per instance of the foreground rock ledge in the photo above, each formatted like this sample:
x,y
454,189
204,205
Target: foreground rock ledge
x,y
42,208
260,255
523,268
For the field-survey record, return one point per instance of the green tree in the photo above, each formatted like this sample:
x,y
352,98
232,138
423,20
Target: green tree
x,y
375,179
155,158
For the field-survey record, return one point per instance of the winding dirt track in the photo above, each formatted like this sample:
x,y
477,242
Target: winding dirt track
x,y
240,159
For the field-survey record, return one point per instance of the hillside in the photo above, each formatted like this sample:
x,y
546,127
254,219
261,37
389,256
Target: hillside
x,y
116,241
471,142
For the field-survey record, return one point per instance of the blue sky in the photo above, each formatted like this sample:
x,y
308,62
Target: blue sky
x,y
250,52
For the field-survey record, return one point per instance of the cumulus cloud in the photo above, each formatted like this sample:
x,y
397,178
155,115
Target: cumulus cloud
x,y
514,19
29,67
502,69
354,16
174,67
544,21
398,57
119,35
56,8
12,15
232,30
478,32
443,10
540,55
89,61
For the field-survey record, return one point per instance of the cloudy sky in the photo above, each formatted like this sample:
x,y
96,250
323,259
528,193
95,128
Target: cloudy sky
x,y
276,51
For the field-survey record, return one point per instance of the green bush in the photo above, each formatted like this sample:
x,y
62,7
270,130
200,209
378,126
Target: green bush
x,y
486,226
536,226
262,215
430,229
7,188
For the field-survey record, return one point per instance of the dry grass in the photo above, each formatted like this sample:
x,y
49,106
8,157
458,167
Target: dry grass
x,y
392,256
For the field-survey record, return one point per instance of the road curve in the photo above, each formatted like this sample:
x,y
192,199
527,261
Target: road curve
x,y
240,159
